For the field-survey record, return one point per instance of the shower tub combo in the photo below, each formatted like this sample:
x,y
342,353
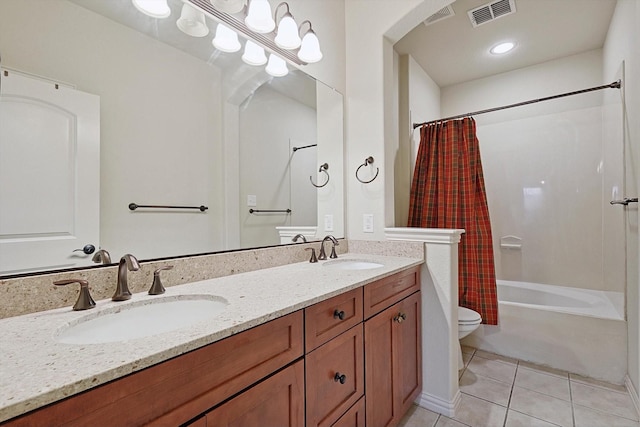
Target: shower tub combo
x,y
575,330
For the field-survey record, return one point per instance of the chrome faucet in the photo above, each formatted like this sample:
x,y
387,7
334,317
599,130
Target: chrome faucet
x,y
129,262
299,236
323,254
101,257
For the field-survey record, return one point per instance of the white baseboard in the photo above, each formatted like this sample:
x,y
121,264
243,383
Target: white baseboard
x,y
632,392
436,404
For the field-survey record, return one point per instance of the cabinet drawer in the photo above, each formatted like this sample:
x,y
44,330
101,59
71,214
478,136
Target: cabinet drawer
x,y
386,292
335,377
332,317
182,387
354,417
276,401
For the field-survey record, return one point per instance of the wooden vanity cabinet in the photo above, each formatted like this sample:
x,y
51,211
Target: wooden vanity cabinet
x,y
393,361
177,390
354,417
349,361
276,401
334,357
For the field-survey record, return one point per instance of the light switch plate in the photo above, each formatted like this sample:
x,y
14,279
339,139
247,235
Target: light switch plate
x,y
367,223
252,200
328,222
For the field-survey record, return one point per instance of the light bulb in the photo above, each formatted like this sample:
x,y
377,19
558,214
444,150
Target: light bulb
x,y
310,48
153,8
192,22
253,54
228,6
259,17
226,40
287,37
277,67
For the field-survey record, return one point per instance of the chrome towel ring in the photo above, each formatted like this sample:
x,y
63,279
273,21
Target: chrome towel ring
x,y
323,168
367,161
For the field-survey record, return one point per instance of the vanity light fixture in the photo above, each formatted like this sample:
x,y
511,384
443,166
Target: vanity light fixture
x,y
287,34
277,67
254,54
258,17
229,6
251,19
153,8
502,48
226,40
192,22
310,47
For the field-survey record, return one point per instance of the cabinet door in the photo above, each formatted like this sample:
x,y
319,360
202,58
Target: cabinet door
x,y
409,352
354,417
335,377
393,362
276,401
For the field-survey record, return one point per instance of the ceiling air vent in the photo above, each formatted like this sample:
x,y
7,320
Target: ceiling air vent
x,y
491,11
443,13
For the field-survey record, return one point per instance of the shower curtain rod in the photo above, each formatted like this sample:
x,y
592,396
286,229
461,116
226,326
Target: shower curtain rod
x,y
614,85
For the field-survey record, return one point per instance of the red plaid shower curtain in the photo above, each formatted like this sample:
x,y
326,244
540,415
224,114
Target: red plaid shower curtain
x,y
448,192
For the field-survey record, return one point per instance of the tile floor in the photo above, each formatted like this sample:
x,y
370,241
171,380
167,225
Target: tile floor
x,y
503,392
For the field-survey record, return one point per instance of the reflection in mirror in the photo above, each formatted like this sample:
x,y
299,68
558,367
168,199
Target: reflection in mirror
x,y
179,124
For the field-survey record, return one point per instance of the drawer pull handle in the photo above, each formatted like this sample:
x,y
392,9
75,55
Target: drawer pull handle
x,y
338,314
342,378
401,317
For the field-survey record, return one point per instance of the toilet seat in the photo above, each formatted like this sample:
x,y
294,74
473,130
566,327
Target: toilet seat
x,y
468,317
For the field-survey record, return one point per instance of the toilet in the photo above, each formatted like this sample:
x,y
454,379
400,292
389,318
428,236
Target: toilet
x,y
468,321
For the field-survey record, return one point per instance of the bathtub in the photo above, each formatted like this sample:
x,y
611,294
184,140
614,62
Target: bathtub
x,y
575,330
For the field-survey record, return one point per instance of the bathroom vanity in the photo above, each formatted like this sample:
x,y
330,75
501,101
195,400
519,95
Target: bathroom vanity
x,y
303,344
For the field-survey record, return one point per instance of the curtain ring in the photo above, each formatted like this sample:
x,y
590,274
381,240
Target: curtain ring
x,y
323,168
367,161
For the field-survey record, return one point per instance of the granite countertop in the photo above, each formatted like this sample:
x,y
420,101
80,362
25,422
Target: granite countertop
x,y
36,370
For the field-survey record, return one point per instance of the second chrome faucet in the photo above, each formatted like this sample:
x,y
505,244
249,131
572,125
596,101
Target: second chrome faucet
x,y
130,263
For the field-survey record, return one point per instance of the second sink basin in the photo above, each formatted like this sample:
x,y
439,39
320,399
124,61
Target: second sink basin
x,y
141,319
352,264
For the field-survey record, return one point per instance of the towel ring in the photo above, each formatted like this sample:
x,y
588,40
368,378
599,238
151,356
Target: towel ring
x,y
323,168
367,161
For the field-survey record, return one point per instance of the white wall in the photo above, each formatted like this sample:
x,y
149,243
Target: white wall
x,y
265,166
419,102
328,20
147,118
372,27
330,119
623,44
550,172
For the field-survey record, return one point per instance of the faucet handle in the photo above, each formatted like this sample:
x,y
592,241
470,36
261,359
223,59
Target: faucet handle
x,y
156,286
313,254
101,257
333,252
84,301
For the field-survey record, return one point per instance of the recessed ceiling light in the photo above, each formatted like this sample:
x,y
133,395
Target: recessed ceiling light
x,y
501,48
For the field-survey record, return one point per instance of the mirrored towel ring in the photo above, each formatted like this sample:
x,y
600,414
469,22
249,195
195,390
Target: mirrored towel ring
x,y
323,168
367,161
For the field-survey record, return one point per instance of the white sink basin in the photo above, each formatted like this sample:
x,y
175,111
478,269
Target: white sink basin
x,y
352,264
141,319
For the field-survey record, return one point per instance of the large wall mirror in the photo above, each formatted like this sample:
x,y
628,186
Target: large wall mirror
x,y
175,123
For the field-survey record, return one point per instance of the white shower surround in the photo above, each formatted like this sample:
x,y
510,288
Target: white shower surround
x,y
576,330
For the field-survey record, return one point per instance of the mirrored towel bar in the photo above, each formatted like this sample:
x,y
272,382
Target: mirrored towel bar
x,y
624,201
134,206
288,211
